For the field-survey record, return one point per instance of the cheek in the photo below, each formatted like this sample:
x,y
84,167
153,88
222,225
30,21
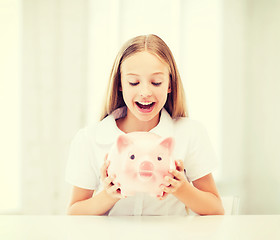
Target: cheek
x,y
128,94
161,93
130,167
163,166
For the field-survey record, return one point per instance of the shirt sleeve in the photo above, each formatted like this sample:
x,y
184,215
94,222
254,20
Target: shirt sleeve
x,y
200,158
81,170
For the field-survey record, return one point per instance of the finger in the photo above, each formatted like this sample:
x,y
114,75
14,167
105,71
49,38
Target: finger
x,y
164,196
179,165
173,182
170,189
103,171
115,191
165,182
113,188
178,175
108,181
186,176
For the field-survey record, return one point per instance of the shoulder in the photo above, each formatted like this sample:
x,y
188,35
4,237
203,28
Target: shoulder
x,y
181,127
189,130
86,134
101,132
185,124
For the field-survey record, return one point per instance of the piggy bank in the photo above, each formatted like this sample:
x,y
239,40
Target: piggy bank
x,y
140,161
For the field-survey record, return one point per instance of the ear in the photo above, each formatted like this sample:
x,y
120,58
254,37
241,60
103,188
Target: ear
x,y
169,88
168,143
122,142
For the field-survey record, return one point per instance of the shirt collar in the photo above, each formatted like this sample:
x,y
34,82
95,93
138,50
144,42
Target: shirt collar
x,y
165,125
107,130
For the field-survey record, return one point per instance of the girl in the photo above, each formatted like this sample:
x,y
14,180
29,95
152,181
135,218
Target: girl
x,y
145,93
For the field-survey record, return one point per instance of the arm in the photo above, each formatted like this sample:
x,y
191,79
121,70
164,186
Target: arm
x,y
202,197
82,202
85,202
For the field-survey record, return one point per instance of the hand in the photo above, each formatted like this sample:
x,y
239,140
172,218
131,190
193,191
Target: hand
x,y
163,196
175,182
113,190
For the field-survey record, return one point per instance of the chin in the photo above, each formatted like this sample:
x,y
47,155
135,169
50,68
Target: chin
x,y
148,117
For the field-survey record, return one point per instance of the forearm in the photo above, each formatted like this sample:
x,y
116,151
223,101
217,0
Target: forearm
x,y
99,204
200,202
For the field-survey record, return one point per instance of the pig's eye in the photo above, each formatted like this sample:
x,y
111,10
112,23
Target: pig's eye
x,y
159,158
132,157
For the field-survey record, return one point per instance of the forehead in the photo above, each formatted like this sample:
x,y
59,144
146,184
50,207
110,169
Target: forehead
x,y
144,62
149,147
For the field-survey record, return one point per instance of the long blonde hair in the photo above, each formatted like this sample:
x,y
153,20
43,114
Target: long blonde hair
x,y
175,103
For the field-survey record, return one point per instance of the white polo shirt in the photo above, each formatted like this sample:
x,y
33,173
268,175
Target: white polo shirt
x,y
90,145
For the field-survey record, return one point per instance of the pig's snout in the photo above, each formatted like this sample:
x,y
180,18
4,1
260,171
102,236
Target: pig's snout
x,y
146,171
146,166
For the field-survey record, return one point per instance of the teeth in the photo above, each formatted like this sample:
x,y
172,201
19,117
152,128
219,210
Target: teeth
x,y
145,103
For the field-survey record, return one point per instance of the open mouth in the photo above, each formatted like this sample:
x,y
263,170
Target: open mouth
x,y
145,106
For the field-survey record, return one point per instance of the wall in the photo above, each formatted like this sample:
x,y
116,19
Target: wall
x,y
61,52
262,152
53,103
68,51
10,72
251,115
233,100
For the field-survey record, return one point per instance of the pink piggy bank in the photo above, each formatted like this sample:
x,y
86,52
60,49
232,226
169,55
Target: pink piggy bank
x,y
140,161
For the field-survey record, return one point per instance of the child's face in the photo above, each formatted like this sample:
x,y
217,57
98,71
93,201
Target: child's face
x,y
145,85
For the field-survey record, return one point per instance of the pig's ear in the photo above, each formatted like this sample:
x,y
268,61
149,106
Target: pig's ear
x,y
122,142
168,143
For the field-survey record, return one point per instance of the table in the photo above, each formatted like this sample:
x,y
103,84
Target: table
x,y
135,228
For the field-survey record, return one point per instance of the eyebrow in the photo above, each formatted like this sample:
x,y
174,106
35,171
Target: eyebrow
x,y
156,73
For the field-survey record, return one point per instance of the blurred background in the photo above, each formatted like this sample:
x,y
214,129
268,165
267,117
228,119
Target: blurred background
x,y
55,61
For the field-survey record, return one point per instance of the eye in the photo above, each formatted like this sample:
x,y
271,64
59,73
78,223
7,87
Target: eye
x,y
132,157
159,158
156,83
133,83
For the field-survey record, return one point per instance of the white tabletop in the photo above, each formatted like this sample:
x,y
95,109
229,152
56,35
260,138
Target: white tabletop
x,y
94,227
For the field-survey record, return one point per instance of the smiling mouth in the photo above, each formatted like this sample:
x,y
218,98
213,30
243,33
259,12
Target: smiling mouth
x,y
145,106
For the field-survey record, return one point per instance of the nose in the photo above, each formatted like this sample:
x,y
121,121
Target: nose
x,y
146,166
145,91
